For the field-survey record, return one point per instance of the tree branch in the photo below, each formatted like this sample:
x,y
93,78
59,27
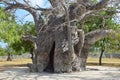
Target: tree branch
x,y
99,5
29,37
53,3
80,44
93,36
21,6
69,30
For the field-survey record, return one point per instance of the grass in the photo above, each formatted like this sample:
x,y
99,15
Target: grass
x,y
14,63
113,62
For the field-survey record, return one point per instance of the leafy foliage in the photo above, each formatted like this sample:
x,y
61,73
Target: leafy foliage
x,y
11,33
104,20
2,51
22,46
8,27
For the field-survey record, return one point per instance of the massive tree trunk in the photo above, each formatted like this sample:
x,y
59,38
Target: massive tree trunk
x,y
53,52
59,45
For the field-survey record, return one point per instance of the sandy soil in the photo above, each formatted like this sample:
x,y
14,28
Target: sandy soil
x,y
92,73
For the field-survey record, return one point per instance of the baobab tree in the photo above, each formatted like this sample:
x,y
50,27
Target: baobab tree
x,y
59,45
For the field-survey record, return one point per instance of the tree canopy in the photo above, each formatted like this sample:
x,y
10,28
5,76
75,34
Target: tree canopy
x,y
11,32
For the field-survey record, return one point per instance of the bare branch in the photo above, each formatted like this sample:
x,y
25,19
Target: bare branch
x,y
43,9
21,6
99,5
93,36
53,3
50,2
82,1
30,38
27,2
69,29
84,15
80,44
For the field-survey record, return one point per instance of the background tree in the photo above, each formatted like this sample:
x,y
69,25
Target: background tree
x,y
23,46
11,33
2,51
102,20
8,30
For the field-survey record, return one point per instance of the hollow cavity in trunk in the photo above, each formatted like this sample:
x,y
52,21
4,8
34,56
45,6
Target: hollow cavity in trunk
x,y
50,66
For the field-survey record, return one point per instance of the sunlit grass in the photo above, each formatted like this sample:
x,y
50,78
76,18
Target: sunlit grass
x,y
89,60
113,62
15,62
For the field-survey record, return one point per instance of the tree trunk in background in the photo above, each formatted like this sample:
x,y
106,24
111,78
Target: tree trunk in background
x,y
102,51
32,54
100,58
9,58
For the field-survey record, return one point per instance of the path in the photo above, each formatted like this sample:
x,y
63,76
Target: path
x,y
93,73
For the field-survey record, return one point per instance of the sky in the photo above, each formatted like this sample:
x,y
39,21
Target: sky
x,y
2,44
23,15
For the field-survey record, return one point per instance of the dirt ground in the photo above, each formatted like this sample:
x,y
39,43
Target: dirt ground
x,y
92,73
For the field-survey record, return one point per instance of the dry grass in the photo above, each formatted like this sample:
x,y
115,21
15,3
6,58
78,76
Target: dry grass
x,y
16,62
91,61
113,62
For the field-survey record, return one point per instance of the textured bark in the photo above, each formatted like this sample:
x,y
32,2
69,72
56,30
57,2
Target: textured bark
x,y
32,54
63,58
59,45
100,58
9,58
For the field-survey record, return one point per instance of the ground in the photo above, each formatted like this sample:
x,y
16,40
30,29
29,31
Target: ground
x,y
16,70
92,73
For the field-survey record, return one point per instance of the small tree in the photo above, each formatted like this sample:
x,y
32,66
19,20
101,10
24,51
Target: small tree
x,y
11,33
8,30
102,20
21,46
